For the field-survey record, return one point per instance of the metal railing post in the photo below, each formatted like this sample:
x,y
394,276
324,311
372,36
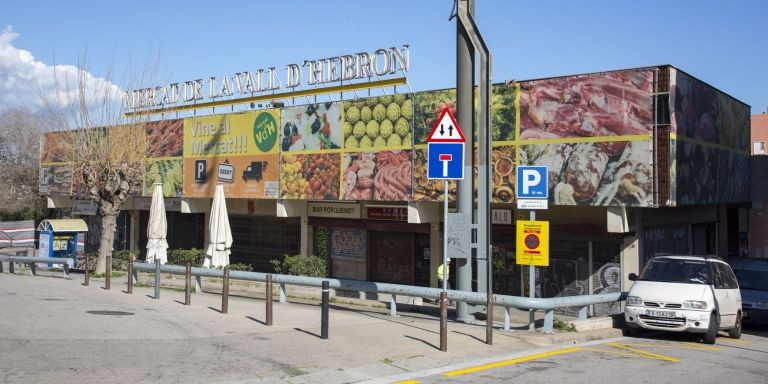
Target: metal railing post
x,y
393,305
198,284
549,320
87,276
1,266
157,278
33,269
108,275
65,268
225,291
506,319
10,267
188,284
489,321
269,300
282,293
583,312
324,312
444,321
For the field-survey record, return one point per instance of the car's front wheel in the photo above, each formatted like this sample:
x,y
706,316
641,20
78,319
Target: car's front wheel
x,y
711,335
735,332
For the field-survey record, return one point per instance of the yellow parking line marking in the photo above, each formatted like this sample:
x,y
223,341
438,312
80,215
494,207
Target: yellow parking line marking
x,y
737,341
683,346
408,382
612,352
503,363
642,353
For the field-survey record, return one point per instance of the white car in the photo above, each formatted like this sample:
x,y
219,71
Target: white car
x,y
697,294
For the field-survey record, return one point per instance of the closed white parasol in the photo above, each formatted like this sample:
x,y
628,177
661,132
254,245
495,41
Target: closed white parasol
x,y
219,233
157,246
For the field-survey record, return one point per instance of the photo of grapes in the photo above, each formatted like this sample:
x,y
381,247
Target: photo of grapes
x,y
169,172
377,123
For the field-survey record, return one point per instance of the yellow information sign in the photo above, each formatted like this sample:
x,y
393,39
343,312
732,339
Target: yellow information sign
x,y
533,243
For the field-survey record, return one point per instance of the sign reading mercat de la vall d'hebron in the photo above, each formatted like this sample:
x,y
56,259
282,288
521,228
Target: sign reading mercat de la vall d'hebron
x,y
381,62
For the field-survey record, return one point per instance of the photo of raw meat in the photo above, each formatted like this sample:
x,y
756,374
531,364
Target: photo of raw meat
x,y
165,138
601,104
383,176
595,174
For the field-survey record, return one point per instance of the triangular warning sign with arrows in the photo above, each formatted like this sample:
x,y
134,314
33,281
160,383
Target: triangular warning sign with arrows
x,y
446,130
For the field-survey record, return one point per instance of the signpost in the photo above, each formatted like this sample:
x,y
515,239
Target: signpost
x,y
532,236
445,161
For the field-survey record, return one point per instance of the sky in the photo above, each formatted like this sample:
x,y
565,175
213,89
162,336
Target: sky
x,y
720,42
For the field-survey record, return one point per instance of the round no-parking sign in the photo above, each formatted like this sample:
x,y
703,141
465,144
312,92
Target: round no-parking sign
x,y
533,243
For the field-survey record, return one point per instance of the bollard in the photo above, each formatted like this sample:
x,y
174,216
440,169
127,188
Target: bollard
x,y
188,284
225,291
157,278
108,274
33,269
489,321
87,270
324,312
269,299
10,267
444,321
130,274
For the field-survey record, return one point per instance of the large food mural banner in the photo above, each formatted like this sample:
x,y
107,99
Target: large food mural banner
x,y
710,143
310,144
240,150
54,177
165,164
376,161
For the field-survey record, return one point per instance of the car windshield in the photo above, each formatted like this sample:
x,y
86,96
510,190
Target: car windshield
x,y
754,280
676,271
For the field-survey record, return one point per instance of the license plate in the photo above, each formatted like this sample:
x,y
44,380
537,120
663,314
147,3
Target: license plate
x,y
653,313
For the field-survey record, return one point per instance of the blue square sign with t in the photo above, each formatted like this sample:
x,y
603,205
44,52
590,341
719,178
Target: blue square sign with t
x,y
532,182
445,161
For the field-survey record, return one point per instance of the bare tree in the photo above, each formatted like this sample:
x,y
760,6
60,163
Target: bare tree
x,y
20,132
105,149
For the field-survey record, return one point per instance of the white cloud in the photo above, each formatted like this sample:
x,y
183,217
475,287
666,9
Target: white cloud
x,y
23,79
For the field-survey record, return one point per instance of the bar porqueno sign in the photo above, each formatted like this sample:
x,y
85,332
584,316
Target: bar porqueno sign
x,y
337,210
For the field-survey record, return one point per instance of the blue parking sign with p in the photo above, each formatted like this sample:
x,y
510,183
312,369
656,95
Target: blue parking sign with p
x,y
532,182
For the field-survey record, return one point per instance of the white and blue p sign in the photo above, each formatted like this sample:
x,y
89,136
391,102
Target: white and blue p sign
x,y
532,182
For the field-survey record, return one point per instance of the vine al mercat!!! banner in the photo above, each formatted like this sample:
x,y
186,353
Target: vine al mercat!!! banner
x,y
238,150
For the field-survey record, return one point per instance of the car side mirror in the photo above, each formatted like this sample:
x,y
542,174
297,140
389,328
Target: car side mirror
x,y
632,276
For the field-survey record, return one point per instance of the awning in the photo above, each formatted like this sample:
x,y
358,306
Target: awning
x,y
63,225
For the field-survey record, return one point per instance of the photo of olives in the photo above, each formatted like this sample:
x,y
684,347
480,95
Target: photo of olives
x,y
377,123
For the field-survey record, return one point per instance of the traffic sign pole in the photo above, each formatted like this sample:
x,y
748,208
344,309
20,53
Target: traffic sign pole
x,y
532,286
445,236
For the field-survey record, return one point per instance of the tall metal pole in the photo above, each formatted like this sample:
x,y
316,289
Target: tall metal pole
x,y
532,286
465,106
444,293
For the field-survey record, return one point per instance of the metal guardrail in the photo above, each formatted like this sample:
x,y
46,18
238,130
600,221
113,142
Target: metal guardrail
x,y
33,261
546,304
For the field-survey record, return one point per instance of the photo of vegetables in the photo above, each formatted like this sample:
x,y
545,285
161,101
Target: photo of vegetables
x,y
384,176
427,109
310,176
165,138
503,177
503,108
169,172
311,127
377,122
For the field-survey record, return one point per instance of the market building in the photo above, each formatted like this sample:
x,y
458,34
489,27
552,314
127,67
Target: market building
x,y
758,215
641,161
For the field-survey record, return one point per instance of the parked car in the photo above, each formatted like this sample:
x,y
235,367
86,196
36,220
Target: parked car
x,y
752,275
697,294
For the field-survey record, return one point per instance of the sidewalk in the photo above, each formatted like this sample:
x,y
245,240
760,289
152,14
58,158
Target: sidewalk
x,y
163,340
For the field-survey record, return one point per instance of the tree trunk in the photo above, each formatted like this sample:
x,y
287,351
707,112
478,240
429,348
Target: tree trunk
x,y
108,225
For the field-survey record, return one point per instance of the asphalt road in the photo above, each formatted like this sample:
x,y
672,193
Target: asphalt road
x,y
652,358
